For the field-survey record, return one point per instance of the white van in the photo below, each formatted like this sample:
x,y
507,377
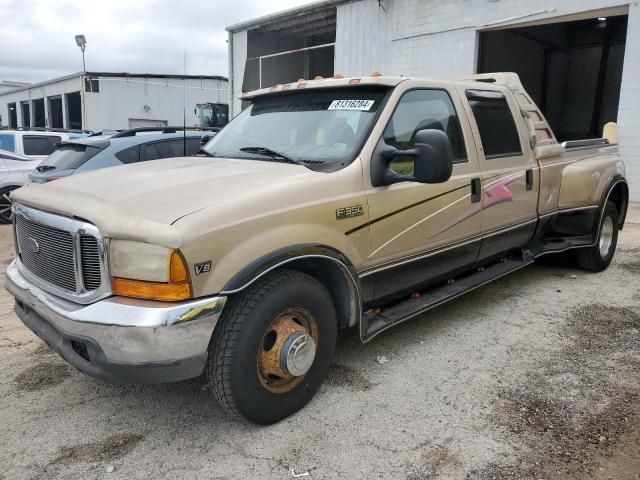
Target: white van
x,y
33,144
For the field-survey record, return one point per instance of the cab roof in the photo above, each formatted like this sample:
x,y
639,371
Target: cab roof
x,y
505,79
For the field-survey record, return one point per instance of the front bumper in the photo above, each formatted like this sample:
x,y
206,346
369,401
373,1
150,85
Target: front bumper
x,y
118,339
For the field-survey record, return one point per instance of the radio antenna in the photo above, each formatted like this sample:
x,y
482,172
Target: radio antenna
x,y
184,104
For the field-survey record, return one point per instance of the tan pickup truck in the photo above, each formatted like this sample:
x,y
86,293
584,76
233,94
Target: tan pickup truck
x,y
325,204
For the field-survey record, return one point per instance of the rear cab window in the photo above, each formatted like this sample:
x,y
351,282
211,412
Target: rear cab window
x,y
496,125
39,144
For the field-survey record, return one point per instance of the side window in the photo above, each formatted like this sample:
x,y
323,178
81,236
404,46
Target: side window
x,y
129,155
425,109
7,142
171,148
39,144
193,146
149,151
498,131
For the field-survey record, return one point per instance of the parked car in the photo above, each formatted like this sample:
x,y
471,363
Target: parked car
x,y
130,146
34,144
348,203
14,172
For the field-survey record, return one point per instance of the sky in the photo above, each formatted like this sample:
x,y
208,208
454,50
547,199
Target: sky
x,y
137,36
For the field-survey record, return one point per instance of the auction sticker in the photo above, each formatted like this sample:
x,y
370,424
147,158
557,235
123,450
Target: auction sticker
x,y
364,105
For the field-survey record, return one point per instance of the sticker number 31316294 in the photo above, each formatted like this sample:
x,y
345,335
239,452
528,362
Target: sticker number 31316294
x,y
364,105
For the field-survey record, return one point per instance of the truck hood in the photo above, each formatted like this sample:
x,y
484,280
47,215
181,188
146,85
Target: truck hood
x,y
150,194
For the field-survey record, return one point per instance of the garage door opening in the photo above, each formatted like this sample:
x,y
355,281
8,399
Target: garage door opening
x,y
38,112
284,51
572,70
55,112
74,110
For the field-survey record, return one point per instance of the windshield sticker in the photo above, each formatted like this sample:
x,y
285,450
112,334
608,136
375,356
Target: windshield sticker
x,y
363,105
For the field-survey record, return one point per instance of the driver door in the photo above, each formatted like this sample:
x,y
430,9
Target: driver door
x,y
420,233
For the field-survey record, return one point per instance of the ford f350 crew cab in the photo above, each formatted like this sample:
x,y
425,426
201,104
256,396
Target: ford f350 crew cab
x,y
326,204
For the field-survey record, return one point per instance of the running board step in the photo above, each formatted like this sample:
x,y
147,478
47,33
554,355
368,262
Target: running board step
x,y
377,321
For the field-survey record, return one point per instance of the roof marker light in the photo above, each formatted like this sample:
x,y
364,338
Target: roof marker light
x,y
338,75
376,74
318,77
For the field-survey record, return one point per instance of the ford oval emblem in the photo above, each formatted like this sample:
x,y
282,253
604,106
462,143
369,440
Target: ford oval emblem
x,y
32,245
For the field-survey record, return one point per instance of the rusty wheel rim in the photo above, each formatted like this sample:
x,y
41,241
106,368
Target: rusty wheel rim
x,y
291,323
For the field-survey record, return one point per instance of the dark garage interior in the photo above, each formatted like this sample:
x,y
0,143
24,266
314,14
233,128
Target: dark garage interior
x,y
284,51
74,110
55,112
572,70
26,116
38,113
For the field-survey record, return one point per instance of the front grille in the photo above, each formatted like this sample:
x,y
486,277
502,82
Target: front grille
x,y
90,260
47,252
50,254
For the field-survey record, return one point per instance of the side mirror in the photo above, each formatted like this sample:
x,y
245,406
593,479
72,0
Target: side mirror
x,y
429,161
204,140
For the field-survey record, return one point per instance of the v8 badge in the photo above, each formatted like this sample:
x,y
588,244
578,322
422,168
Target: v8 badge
x,y
202,267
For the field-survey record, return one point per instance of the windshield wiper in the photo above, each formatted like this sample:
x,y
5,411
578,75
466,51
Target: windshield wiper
x,y
267,152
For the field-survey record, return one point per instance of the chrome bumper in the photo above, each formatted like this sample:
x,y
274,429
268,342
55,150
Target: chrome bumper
x,y
120,339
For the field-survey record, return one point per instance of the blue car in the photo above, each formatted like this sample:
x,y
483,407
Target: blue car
x,y
130,146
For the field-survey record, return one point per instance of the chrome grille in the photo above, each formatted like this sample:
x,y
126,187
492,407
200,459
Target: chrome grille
x,y
62,255
47,252
90,261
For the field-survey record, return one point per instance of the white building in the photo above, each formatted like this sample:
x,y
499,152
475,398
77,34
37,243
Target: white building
x,y
7,85
579,59
98,100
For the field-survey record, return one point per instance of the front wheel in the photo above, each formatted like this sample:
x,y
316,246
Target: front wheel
x,y
599,256
273,346
5,205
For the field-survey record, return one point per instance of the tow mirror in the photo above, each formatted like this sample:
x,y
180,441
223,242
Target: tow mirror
x,y
429,161
204,140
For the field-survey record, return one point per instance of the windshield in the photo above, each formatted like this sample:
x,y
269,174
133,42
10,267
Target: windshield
x,y
315,126
69,157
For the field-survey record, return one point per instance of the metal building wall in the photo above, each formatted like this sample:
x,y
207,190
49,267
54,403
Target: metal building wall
x,y
439,38
121,99
237,61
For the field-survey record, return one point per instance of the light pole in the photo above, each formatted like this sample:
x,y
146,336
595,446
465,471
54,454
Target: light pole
x,y
81,41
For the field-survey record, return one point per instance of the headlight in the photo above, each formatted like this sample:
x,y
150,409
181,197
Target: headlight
x,y
144,270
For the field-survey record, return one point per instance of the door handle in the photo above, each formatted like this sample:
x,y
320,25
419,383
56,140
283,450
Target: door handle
x,y
476,190
529,175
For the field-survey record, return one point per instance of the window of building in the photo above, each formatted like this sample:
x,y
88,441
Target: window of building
x,y
91,85
497,127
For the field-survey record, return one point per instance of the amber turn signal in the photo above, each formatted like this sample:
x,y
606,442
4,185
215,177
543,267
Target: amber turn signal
x,y
178,288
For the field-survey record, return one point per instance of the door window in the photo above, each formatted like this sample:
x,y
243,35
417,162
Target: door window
x,y
129,155
497,128
425,109
149,151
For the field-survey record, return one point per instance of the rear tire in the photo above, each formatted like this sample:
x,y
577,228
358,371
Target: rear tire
x,y
244,367
5,205
598,257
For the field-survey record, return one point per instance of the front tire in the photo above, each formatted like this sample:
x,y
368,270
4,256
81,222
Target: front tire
x,y
273,346
5,205
598,257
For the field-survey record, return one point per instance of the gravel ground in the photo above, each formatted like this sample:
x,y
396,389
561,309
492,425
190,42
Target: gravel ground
x,y
533,377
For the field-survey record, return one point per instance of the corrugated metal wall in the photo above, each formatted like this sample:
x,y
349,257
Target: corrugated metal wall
x,y
362,38
237,62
